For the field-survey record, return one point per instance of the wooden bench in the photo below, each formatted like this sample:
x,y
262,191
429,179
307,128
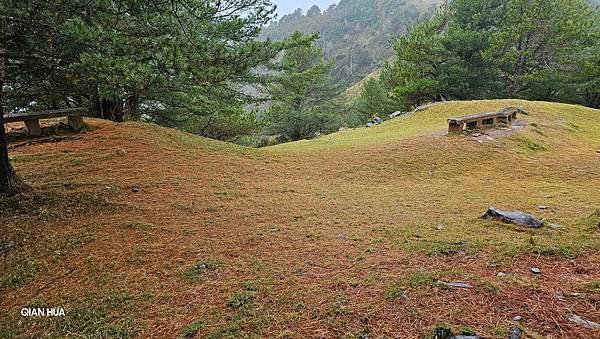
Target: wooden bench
x,y
32,119
509,114
483,120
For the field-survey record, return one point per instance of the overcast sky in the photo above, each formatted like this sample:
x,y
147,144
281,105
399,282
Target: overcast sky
x,y
288,6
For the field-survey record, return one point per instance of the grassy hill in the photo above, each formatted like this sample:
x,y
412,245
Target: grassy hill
x,y
136,229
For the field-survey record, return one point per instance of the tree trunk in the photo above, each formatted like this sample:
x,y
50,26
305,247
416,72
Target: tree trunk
x,y
592,100
94,108
108,109
9,183
133,107
117,110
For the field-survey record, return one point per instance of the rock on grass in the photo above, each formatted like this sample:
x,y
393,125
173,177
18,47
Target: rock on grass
x,y
513,217
584,322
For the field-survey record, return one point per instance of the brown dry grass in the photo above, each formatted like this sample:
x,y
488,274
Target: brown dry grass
x,y
308,238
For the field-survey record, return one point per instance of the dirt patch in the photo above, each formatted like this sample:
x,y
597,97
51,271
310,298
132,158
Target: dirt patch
x,y
491,134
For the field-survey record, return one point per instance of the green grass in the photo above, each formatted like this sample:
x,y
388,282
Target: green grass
x,y
139,225
555,251
420,279
554,118
190,330
592,222
242,299
531,145
200,268
488,286
395,292
22,259
443,247
20,272
593,286
90,317
416,280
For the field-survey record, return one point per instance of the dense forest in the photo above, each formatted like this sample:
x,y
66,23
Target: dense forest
x,y
478,49
355,34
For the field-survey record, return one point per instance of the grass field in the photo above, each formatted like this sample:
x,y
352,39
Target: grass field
x,y
139,231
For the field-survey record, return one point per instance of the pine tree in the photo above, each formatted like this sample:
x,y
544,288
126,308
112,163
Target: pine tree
x,y
9,183
534,41
375,99
302,92
164,59
127,58
474,49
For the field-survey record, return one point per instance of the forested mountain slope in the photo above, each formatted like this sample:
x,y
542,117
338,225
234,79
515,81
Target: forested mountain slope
x,y
355,33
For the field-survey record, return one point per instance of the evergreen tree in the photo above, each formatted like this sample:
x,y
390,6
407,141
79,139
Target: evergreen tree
x,y
473,49
167,60
533,42
121,58
9,183
414,75
375,99
302,92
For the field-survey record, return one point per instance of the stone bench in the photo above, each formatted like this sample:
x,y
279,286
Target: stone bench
x,y
483,120
32,119
508,115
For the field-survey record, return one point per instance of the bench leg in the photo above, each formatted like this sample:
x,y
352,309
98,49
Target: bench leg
x,y
472,125
76,123
455,128
33,126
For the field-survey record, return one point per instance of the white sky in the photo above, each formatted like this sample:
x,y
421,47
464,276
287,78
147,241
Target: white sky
x,y
288,6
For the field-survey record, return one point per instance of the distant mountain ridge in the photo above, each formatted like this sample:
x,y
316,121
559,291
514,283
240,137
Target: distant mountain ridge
x,y
354,33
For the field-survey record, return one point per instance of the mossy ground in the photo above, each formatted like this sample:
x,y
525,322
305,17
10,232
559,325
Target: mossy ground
x,y
334,237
